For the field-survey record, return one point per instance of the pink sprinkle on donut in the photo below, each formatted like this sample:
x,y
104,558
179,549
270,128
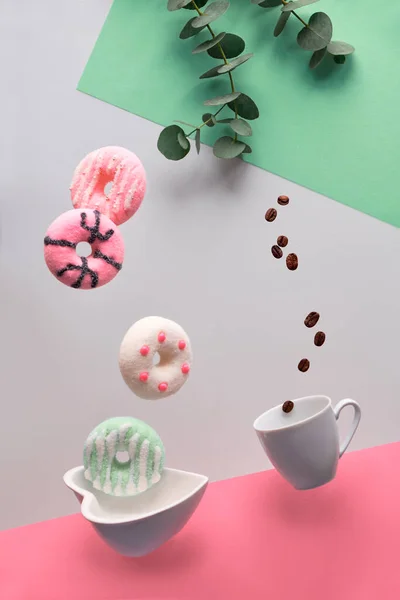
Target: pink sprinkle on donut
x,y
161,337
144,376
163,386
144,350
182,345
185,368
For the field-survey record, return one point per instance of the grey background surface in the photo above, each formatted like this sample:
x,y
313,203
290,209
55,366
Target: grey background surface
x,y
198,251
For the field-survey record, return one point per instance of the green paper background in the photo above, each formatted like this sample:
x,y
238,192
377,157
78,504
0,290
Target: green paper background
x,y
334,130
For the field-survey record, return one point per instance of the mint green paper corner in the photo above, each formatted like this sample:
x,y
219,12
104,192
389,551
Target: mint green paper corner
x,y
334,130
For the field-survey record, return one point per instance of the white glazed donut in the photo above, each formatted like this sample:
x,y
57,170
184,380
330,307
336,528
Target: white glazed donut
x,y
142,341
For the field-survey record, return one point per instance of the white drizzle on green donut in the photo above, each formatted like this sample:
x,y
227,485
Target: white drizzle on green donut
x,y
133,442
157,461
111,446
100,447
146,457
144,454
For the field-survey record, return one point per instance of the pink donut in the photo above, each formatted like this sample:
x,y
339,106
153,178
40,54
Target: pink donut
x,y
79,272
111,164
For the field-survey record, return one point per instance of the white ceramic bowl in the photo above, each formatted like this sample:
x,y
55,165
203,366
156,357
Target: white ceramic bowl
x,y
137,525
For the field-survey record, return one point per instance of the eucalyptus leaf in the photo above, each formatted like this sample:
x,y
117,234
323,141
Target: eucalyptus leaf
x,y
247,149
169,145
226,147
177,4
213,11
189,31
235,63
246,107
232,45
197,140
182,139
297,4
339,60
317,34
214,72
209,119
340,48
219,100
280,26
317,58
200,4
241,127
269,3
209,44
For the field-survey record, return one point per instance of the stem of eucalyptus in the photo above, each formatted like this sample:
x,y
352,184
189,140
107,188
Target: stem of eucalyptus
x,y
297,16
223,56
207,121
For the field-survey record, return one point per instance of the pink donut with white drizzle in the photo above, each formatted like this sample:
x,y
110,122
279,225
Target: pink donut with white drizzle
x,y
115,165
60,249
145,339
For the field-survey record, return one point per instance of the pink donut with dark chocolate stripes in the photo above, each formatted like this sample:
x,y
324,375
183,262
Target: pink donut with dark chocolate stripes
x,y
115,165
145,339
60,249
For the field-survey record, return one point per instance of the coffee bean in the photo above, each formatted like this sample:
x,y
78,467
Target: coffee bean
x,y
319,338
282,241
270,215
283,200
303,365
287,406
276,252
311,319
292,262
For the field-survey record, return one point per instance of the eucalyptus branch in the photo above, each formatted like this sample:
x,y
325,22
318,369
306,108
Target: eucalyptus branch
x,y
173,142
223,56
316,35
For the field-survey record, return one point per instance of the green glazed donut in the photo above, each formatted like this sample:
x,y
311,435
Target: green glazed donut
x,y
114,477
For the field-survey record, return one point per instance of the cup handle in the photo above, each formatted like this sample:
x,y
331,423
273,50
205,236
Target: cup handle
x,y
356,420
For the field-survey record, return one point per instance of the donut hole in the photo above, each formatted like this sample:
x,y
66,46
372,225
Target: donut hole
x,y
122,456
84,249
108,188
156,358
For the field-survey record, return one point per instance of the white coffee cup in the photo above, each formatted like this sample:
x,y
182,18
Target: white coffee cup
x,y
303,444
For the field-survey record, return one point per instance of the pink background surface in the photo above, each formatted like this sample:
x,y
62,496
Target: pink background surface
x,y
251,537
